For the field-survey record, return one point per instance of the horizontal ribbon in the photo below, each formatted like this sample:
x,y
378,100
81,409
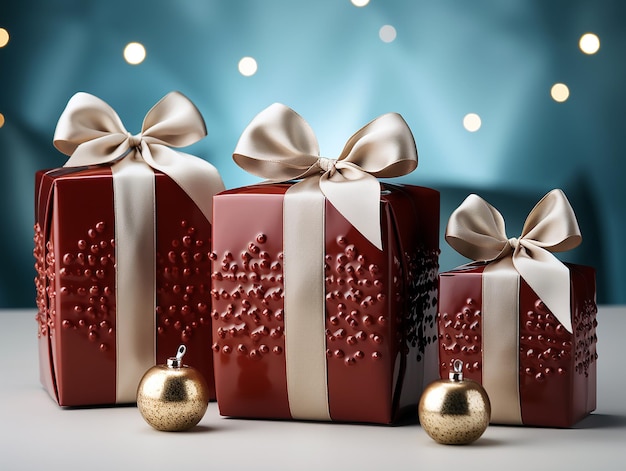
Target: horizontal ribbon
x,y
91,132
279,145
476,230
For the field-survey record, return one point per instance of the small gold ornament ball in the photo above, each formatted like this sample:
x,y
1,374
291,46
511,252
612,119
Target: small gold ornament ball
x,y
455,411
173,397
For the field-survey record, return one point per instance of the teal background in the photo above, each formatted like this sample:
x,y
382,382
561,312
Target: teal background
x,y
324,58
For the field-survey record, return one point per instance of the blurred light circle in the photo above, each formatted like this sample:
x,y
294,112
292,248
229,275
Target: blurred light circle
x,y
589,43
559,92
387,33
472,122
4,37
248,66
134,53
360,3
1,120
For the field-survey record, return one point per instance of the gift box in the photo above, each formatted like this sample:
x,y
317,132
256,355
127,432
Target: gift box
x,y
122,245
312,319
522,322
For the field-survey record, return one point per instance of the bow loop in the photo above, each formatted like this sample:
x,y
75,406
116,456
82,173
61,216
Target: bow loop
x,y
552,224
476,230
174,121
279,145
87,118
384,147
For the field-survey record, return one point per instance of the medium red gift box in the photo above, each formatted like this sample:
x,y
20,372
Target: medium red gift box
x,y
122,245
312,319
523,323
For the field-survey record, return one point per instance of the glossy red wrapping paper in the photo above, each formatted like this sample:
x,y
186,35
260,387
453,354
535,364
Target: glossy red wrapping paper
x,y
557,369
75,263
380,305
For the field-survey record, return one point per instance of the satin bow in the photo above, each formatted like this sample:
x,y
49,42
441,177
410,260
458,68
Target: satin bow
x,y
476,230
91,133
279,145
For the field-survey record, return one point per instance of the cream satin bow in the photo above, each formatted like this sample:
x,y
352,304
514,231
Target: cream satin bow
x,y
279,145
476,230
91,133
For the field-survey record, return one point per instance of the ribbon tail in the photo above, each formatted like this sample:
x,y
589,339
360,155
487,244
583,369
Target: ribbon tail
x,y
197,177
357,198
550,280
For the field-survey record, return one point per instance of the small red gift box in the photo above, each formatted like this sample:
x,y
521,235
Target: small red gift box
x,y
122,254
311,319
523,323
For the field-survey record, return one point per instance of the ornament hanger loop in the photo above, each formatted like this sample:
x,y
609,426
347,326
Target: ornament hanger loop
x,y
177,361
457,371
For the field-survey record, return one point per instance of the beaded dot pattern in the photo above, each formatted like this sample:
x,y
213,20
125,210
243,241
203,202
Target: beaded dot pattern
x,y
460,334
419,325
183,284
43,267
356,307
357,318
545,345
585,324
86,284
251,285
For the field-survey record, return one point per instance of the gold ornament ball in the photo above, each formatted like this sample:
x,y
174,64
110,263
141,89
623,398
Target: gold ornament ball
x,y
173,397
455,411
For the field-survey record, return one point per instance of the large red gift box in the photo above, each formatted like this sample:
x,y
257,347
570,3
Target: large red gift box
x,y
358,356
94,345
380,305
538,368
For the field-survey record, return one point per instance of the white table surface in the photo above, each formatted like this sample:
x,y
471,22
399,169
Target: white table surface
x,y
37,434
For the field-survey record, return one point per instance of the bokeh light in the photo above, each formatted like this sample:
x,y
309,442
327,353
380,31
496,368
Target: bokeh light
x,y
559,92
387,33
248,66
589,43
134,53
472,122
1,120
4,37
360,3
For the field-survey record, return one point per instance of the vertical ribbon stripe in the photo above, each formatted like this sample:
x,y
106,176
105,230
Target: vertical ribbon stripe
x,y
135,249
500,341
305,307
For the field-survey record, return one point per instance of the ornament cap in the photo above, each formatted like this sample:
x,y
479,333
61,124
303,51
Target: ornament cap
x,y
457,371
177,361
